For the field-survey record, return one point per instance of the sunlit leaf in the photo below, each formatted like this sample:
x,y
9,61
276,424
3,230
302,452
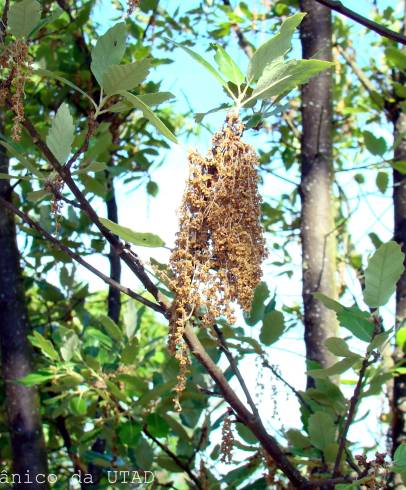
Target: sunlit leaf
x,y
109,50
23,17
61,134
383,272
125,77
274,48
128,235
148,114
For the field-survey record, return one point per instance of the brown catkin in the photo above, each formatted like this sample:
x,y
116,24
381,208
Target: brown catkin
x,y
220,246
15,58
227,441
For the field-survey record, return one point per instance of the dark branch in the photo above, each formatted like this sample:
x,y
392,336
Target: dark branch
x,y
337,6
78,258
4,21
173,456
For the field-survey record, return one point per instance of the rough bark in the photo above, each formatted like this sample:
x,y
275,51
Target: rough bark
x,y
317,216
27,441
398,398
398,424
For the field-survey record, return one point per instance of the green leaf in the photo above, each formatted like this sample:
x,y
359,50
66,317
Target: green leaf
x,y
125,77
157,426
382,181
22,159
274,48
297,439
129,433
228,67
376,146
45,346
379,340
37,195
245,433
338,368
383,272
130,352
36,378
17,177
23,17
282,77
61,134
152,188
339,347
272,327
322,430
50,74
396,58
401,338
148,114
56,12
202,62
77,405
256,313
151,99
357,322
399,459
128,235
111,327
329,303
109,50
399,165
70,346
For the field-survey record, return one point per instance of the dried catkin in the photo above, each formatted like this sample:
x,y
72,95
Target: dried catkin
x,y
220,246
16,60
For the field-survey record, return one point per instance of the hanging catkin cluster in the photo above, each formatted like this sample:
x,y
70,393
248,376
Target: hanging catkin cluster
x,y
220,246
15,59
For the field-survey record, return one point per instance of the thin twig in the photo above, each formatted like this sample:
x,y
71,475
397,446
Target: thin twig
x,y
235,369
4,20
78,258
173,456
337,6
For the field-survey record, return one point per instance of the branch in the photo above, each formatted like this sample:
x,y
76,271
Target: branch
x,y
268,442
78,258
351,413
234,367
173,456
242,40
337,6
4,21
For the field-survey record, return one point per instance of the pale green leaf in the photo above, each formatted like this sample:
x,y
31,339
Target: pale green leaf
x,y
109,50
23,17
148,114
152,99
45,346
18,177
228,67
399,459
128,235
338,368
56,12
50,74
37,195
339,347
111,327
322,430
202,61
125,77
383,272
382,181
329,303
274,48
23,160
297,439
272,327
282,77
357,322
375,145
61,134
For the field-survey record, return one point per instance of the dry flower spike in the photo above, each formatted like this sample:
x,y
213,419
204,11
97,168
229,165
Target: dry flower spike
x,y
220,245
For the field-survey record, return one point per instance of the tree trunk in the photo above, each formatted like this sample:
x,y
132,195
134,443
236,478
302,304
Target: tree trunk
x,y
317,216
27,441
398,398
